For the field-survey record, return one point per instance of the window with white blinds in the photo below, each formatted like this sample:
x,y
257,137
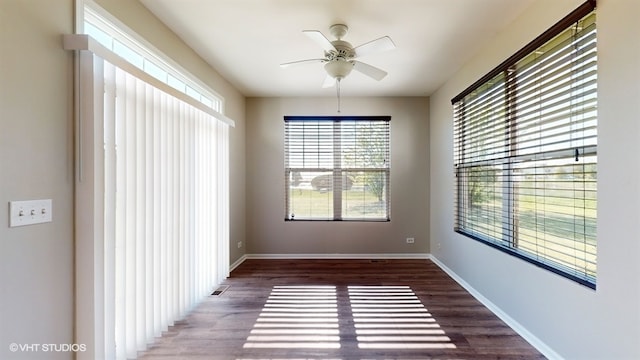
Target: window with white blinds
x,y
337,168
525,152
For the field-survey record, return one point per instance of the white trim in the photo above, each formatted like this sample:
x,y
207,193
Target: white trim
x,y
78,25
548,352
339,256
89,316
325,256
237,263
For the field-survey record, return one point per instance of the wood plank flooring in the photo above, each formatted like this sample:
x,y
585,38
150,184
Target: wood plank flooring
x,y
341,310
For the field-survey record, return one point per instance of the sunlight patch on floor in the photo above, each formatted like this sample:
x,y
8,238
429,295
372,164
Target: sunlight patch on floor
x,y
297,317
392,317
384,317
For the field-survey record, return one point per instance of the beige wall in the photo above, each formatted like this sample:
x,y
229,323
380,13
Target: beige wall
x,y
36,161
36,148
568,319
268,233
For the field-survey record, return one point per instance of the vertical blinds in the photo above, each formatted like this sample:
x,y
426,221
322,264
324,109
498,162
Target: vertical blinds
x,y
525,152
337,168
165,208
160,195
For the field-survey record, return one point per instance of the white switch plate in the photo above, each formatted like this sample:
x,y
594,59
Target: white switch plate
x,y
30,212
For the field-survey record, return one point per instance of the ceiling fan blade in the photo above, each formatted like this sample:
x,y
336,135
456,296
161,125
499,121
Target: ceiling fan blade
x,y
300,62
319,38
328,82
370,71
374,46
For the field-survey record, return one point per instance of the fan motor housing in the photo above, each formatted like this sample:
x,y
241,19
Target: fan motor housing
x,y
344,51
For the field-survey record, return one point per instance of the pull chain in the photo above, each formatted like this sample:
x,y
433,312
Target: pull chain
x,y
338,89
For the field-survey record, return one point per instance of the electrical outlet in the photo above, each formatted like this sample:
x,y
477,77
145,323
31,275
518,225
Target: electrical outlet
x,y
239,244
411,240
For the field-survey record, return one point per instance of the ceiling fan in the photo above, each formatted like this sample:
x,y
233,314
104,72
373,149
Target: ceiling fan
x,y
340,56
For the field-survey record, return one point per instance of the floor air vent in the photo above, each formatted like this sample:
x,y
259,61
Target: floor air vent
x,y
220,290
378,260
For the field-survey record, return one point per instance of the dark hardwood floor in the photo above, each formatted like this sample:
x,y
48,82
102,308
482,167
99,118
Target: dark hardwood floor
x,y
341,309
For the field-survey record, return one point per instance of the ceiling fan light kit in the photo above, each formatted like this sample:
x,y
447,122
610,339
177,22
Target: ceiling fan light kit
x,y
338,69
340,56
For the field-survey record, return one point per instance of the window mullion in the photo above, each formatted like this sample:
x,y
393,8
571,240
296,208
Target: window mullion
x,y
509,187
337,170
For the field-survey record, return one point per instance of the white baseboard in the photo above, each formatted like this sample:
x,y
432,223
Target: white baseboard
x,y
237,263
326,256
339,256
516,326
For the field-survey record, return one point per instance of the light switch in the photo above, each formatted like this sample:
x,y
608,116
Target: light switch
x,y
30,212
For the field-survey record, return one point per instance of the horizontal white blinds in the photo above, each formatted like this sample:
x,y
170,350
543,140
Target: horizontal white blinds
x,y
164,184
337,168
525,155
352,144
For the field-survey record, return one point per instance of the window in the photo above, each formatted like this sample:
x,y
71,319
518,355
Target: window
x,y
117,38
525,152
337,168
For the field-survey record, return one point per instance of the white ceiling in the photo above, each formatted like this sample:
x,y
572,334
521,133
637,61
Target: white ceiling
x,y
246,40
